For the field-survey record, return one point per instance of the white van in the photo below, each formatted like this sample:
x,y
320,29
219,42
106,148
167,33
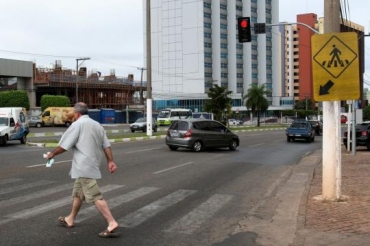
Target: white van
x,y
13,125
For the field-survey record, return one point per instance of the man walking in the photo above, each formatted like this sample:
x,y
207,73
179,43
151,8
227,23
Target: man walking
x,y
88,140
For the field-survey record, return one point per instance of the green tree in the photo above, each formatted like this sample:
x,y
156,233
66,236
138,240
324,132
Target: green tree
x,y
54,101
218,102
14,98
366,113
256,100
301,104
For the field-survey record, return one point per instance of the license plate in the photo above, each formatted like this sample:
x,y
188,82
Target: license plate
x,y
298,135
174,134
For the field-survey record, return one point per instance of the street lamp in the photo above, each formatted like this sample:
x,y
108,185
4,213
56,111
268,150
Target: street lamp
x,y
79,59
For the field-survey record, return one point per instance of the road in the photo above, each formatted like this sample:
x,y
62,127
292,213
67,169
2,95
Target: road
x,y
160,197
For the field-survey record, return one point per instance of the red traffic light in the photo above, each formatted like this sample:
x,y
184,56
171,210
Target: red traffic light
x,y
244,23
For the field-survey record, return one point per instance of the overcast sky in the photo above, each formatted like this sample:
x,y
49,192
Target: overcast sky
x,y
110,32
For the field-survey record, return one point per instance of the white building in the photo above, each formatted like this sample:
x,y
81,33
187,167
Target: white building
x,y
194,43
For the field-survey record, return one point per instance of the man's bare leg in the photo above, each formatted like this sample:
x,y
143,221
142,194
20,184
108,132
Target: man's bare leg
x,y
103,208
76,205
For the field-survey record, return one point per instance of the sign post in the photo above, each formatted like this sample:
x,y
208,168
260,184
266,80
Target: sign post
x,y
336,77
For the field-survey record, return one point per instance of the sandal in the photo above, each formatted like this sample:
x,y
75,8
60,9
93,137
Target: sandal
x,y
62,221
106,233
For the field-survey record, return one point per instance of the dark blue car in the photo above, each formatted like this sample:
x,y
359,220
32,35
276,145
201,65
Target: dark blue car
x,y
300,129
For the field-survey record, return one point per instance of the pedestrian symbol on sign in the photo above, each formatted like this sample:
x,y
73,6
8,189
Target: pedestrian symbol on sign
x,y
335,57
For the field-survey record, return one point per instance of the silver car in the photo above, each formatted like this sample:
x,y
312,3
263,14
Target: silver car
x,y
35,121
140,125
199,134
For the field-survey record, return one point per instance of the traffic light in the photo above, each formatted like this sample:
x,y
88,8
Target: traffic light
x,y
244,29
259,28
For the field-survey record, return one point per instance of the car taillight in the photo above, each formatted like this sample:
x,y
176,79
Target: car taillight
x,y
364,133
188,133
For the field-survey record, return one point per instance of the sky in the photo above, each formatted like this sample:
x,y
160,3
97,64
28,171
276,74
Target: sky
x,y
109,32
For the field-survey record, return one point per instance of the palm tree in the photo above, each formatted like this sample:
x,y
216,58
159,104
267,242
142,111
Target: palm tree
x,y
218,101
256,100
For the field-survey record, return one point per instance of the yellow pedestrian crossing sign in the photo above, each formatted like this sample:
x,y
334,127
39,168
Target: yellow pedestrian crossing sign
x,y
335,66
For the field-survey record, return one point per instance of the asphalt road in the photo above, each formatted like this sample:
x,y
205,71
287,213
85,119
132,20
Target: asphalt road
x,y
160,197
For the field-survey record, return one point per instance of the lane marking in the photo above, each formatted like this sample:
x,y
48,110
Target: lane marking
x,y
7,181
165,170
24,186
114,202
44,164
141,150
193,220
139,216
256,145
32,212
35,195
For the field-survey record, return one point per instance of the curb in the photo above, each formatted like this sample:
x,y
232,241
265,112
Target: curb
x,y
117,140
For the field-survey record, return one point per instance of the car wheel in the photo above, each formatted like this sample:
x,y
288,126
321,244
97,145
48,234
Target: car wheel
x,y
308,139
197,146
233,145
132,130
23,139
313,139
172,147
38,124
4,140
368,145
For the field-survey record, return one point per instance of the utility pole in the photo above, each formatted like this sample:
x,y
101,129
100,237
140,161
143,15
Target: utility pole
x,y
149,115
332,129
77,74
141,84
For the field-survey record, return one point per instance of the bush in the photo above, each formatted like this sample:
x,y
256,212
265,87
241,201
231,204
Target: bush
x,y
54,101
14,98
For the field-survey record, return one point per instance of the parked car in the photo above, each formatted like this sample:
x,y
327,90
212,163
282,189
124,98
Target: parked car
x,y
317,125
35,121
199,134
300,129
362,135
234,122
140,125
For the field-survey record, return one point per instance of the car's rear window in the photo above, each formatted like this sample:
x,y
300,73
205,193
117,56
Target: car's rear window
x,y
299,125
179,125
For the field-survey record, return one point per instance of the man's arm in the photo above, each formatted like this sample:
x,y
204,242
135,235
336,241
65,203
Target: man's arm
x,y
109,155
58,150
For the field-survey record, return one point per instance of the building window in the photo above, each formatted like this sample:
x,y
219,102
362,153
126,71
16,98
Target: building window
x,y
223,6
223,36
239,65
223,16
207,45
207,15
208,54
223,65
223,26
239,56
223,46
207,35
207,5
207,64
224,55
239,75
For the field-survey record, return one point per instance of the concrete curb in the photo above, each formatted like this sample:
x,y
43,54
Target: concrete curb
x,y
117,140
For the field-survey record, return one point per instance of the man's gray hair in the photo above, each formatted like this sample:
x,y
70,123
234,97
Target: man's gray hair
x,y
81,108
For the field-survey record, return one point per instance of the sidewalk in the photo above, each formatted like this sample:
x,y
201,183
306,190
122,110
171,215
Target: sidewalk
x,y
290,214
345,222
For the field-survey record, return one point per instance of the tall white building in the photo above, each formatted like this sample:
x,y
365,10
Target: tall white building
x,y
194,44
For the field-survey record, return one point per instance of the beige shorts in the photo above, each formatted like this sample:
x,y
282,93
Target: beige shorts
x,y
87,190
